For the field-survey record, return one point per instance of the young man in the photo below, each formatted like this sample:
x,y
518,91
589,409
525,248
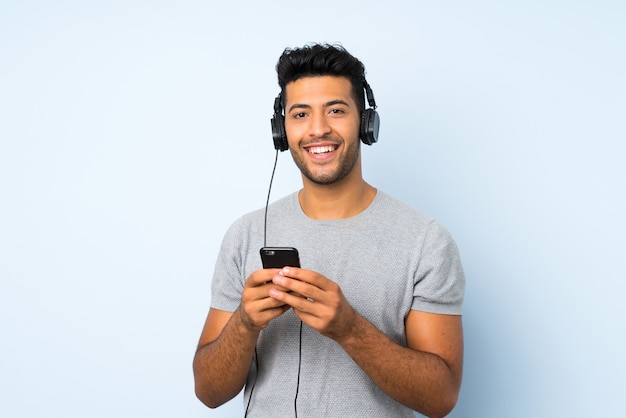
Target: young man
x,y
371,323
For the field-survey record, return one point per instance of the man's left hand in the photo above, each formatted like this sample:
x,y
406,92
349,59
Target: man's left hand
x,y
316,300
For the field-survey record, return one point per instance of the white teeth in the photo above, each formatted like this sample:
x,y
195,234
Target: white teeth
x,y
321,150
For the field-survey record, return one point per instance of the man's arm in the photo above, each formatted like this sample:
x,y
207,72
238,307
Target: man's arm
x,y
424,376
221,363
227,343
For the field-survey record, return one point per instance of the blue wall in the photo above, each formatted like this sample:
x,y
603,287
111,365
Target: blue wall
x,y
132,133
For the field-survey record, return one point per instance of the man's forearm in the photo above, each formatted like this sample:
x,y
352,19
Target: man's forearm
x,y
221,366
419,380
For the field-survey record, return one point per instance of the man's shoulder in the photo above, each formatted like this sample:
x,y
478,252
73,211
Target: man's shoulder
x,y
394,207
403,219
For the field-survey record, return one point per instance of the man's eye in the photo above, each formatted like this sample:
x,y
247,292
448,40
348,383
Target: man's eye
x,y
336,111
299,115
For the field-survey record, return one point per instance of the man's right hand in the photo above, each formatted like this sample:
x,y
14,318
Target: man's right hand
x,y
257,308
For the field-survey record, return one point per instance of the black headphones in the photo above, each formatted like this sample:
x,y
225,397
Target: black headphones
x,y
370,122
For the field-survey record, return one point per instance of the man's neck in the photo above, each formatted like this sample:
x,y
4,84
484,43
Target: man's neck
x,y
337,201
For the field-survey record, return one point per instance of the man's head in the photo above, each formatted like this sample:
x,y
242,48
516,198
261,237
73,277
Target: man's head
x,y
322,95
322,60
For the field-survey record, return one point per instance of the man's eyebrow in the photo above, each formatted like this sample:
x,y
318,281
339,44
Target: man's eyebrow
x,y
298,106
337,102
327,104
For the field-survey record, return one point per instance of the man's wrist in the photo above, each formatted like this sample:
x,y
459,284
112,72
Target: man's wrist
x,y
245,327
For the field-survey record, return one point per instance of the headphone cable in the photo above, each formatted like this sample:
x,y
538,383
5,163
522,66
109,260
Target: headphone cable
x,y
295,400
256,363
267,202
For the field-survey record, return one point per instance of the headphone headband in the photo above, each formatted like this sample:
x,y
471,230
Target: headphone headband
x,y
369,94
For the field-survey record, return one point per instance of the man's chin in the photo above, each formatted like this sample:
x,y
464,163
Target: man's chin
x,y
323,179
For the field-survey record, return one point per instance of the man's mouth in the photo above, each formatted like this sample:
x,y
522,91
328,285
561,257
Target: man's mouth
x,y
321,149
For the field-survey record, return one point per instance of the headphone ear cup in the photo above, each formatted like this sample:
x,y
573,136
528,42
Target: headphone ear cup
x,y
278,132
370,124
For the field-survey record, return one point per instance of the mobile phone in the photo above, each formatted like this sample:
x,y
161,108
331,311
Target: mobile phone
x,y
279,257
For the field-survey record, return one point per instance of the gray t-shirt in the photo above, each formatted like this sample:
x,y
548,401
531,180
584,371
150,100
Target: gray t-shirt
x,y
387,260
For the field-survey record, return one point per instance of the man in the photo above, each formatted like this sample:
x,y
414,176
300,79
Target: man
x,y
370,325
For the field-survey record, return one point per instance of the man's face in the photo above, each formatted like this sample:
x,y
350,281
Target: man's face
x,y
322,125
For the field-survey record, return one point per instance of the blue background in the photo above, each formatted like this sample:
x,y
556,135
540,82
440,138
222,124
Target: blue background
x,y
132,133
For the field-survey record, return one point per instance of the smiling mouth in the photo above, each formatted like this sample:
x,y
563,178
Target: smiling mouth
x,y
322,149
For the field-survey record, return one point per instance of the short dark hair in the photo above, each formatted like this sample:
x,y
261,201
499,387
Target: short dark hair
x,y
321,60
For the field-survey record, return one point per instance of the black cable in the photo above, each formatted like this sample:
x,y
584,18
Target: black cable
x,y
267,202
256,363
295,401
256,356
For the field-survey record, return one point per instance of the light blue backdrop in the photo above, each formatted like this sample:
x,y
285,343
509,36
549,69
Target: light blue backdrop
x,y
132,133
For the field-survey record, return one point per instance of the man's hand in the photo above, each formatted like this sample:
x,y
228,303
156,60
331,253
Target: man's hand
x,y
257,308
316,300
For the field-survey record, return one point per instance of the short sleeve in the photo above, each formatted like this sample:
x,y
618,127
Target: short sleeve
x,y
439,283
228,281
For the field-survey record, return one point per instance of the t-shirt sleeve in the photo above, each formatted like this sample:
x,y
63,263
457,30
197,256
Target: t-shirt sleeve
x,y
439,284
228,276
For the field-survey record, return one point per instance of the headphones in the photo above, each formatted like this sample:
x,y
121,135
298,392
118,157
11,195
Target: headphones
x,y
370,122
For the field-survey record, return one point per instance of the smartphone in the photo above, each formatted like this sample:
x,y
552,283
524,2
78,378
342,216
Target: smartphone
x,y
279,257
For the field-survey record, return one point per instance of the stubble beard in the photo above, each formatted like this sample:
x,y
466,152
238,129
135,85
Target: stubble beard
x,y
347,163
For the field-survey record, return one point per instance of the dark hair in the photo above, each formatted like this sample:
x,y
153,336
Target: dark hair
x,y
321,60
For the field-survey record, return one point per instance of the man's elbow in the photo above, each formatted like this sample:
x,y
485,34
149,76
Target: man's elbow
x,y
445,404
207,399
209,394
